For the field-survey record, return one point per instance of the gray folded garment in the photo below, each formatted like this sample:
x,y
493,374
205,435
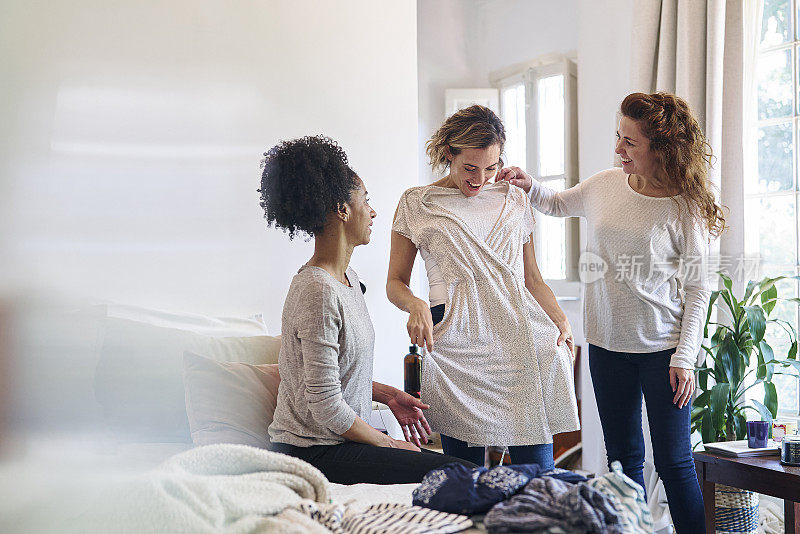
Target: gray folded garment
x,y
551,505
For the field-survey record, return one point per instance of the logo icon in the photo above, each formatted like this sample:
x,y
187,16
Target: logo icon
x,y
591,267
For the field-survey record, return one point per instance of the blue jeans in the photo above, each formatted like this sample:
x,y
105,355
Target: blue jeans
x,y
523,454
619,380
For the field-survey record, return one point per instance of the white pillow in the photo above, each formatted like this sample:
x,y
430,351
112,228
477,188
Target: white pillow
x,y
229,402
138,381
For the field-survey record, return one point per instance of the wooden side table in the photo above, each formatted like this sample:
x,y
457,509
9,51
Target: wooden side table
x,y
762,474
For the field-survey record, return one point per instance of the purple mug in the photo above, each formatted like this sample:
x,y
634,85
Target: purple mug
x,y
757,433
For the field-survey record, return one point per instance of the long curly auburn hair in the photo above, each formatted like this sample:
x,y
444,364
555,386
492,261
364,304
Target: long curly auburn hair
x,y
681,149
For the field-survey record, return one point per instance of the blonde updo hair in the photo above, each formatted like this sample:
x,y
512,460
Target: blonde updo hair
x,y
681,148
472,127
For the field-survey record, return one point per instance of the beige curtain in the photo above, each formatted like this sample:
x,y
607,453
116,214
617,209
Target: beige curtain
x,y
678,47
694,49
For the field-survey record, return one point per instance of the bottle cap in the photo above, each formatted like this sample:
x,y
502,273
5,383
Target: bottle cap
x,y
412,349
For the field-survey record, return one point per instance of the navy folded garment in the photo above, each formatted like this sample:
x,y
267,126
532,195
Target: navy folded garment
x,y
457,489
548,505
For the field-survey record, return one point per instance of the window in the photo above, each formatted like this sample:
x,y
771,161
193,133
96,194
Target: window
x,y
539,110
771,185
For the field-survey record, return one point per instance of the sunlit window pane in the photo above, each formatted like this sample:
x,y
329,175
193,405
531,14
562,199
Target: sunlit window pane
x,y
775,24
513,114
771,229
775,154
551,125
775,84
553,232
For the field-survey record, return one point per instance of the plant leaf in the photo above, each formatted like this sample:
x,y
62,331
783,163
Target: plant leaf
x,y
726,364
766,415
761,368
707,430
769,299
733,304
771,398
767,283
769,358
726,281
793,363
711,301
697,414
718,405
702,377
793,351
756,321
751,285
702,399
740,425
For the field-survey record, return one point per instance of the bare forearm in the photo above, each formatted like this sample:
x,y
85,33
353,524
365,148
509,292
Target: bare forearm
x,y
401,295
547,300
382,392
361,432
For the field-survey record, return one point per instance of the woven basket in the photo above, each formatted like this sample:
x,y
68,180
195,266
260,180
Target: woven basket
x,y
736,510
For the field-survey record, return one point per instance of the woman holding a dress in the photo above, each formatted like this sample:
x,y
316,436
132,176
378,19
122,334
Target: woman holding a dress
x,y
644,318
498,367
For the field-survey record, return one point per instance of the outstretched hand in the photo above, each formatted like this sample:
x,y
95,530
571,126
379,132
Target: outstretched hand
x,y
408,412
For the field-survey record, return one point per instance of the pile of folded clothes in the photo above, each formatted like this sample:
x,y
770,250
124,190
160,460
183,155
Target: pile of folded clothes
x,y
522,498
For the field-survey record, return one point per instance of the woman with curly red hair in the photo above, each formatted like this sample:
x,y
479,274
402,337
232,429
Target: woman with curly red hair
x,y
649,225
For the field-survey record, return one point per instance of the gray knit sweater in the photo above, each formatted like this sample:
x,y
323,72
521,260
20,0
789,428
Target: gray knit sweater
x,y
325,361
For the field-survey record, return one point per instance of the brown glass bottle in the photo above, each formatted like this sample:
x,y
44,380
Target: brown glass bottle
x,y
412,371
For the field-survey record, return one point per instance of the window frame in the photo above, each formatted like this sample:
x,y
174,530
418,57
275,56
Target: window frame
x,y
529,75
753,125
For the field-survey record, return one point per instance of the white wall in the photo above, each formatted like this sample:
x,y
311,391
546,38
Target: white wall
x,y
135,130
445,60
461,41
604,79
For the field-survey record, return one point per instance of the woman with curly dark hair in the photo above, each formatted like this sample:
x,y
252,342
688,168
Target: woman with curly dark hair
x,y
325,363
643,316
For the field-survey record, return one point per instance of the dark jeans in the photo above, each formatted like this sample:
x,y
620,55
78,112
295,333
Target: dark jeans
x,y
619,380
353,463
523,454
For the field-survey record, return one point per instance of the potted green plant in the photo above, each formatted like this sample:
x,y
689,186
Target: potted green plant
x,y
719,410
737,349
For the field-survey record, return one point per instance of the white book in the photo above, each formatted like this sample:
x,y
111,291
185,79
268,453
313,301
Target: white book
x,y
740,448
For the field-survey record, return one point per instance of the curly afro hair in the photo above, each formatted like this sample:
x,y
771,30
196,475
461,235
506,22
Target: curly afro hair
x,y
302,181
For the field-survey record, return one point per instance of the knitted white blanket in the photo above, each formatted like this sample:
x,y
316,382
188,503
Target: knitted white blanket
x,y
215,488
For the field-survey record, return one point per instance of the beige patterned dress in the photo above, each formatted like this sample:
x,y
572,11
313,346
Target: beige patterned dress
x,y
496,375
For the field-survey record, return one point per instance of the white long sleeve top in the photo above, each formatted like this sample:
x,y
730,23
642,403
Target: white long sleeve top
x,y
644,268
